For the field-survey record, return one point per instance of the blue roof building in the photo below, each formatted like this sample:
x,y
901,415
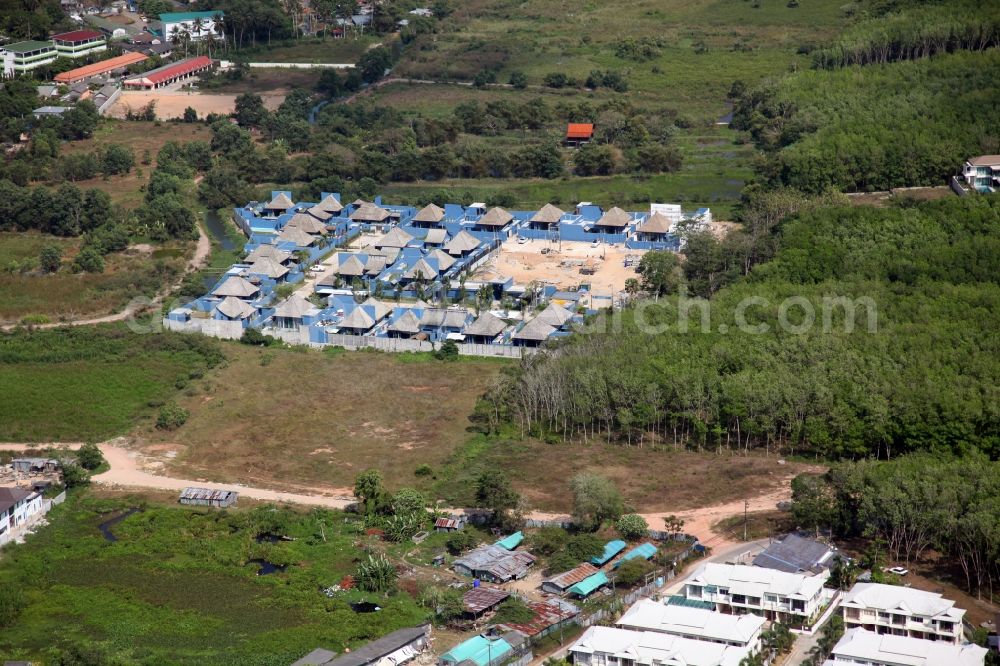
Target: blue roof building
x,y
611,549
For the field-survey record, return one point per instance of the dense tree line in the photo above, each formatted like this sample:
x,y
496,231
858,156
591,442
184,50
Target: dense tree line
x,y
924,378
913,34
876,127
913,505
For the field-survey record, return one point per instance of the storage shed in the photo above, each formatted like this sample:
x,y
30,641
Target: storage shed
x,y
208,497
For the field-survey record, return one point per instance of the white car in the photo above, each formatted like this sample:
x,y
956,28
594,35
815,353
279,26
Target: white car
x,y
596,243
316,268
521,240
899,571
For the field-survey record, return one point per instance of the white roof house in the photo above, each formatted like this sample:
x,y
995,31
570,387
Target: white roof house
x,y
694,623
902,611
648,647
778,595
865,647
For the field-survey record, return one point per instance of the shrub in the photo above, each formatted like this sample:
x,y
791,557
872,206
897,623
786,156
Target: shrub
x,y
50,258
423,469
89,261
513,611
633,571
172,416
12,602
447,352
518,79
408,501
74,475
376,574
632,526
89,456
461,541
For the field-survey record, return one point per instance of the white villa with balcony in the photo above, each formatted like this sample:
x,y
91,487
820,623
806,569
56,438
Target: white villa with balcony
x,y
982,173
699,624
864,647
789,598
902,611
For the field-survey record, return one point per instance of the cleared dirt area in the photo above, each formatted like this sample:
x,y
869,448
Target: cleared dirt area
x,y
563,265
171,104
286,419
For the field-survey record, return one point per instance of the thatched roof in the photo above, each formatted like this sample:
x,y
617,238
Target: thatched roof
x,y
436,236
487,325
380,308
548,214
351,267
369,212
657,223
297,236
358,319
443,317
615,217
234,308
445,260
306,223
406,323
280,202
429,213
462,242
536,329
555,315
236,286
329,204
268,252
295,307
376,264
395,238
268,267
495,217
420,269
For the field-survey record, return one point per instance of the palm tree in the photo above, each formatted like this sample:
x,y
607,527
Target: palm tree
x,y
199,26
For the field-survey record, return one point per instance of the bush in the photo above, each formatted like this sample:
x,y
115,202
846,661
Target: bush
x,y
89,456
447,352
408,501
633,571
172,416
89,261
632,527
376,574
423,470
513,611
50,258
74,475
255,338
518,79
461,541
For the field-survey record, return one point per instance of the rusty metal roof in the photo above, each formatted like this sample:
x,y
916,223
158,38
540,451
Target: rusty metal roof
x,y
569,578
480,599
547,614
207,494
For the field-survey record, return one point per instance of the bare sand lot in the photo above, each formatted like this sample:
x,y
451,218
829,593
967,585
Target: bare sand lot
x,y
171,103
566,265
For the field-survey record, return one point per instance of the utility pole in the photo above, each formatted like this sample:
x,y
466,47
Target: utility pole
x,y
746,507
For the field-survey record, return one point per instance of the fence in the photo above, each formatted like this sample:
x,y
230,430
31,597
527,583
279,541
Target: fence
x,y
300,65
109,101
218,328
956,185
620,602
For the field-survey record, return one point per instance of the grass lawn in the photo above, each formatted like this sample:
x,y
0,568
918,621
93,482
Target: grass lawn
x,y
91,383
650,479
759,525
69,295
177,586
313,50
291,417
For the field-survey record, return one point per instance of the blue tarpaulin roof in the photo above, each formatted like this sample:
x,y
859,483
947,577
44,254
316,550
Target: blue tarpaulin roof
x,y
589,584
478,649
611,549
645,551
511,542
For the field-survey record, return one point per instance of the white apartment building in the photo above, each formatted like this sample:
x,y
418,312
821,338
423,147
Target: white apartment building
x,y
789,598
611,646
864,648
18,509
902,611
698,624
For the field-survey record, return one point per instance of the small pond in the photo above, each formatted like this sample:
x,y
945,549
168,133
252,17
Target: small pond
x,y
106,526
268,567
365,607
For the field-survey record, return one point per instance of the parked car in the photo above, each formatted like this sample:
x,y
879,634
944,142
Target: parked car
x,y
899,571
521,240
316,268
596,243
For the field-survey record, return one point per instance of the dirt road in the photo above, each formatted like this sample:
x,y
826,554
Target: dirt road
x,y
130,469
202,250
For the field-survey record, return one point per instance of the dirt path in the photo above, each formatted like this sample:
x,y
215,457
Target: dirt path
x,y
131,469
202,250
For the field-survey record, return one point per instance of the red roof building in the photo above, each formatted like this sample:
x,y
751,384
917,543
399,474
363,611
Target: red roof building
x,y
77,36
98,68
579,133
163,76
78,43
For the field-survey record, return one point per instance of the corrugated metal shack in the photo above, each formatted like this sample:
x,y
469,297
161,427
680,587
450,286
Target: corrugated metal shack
x,y
208,497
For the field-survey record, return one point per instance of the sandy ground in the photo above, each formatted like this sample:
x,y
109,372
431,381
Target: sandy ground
x,y
561,267
171,103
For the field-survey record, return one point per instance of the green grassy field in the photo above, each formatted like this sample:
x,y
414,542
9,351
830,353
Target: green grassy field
x,y
704,46
91,383
68,295
177,586
312,50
